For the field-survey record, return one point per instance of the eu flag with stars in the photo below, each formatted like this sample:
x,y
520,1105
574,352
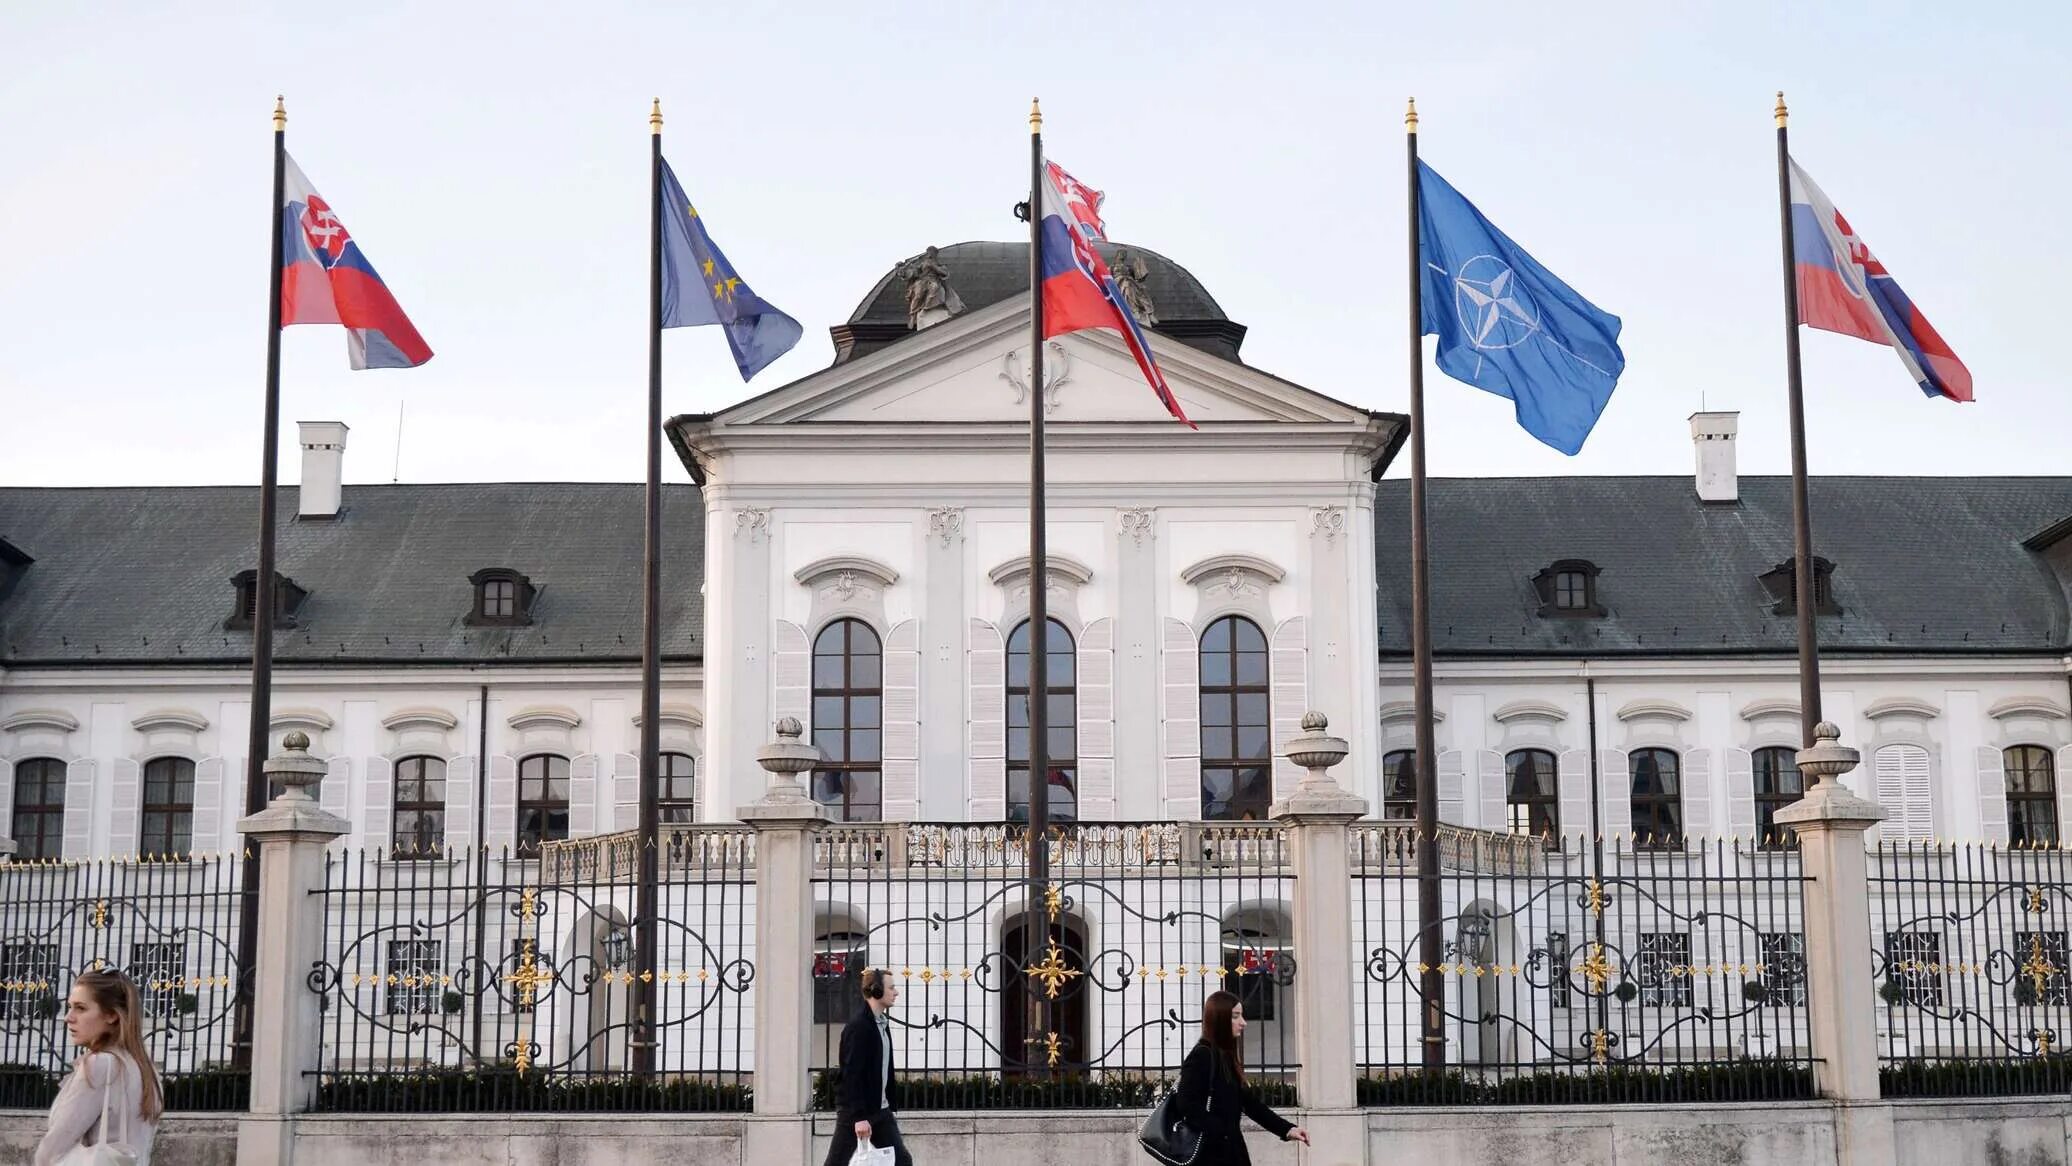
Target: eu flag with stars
x,y
699,286
1507,325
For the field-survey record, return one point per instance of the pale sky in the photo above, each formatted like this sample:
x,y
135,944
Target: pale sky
x,y
491,161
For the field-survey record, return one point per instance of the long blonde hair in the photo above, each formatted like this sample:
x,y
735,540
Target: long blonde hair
x,y
116,995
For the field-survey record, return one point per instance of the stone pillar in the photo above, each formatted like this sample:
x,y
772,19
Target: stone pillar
x,y
1316,817
1840,1008
290,833
786,823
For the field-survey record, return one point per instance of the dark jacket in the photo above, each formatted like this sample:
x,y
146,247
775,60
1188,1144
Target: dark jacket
x,y
1211,1097
862,1060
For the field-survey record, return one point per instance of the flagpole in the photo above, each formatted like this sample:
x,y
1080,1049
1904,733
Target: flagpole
x,y
1430,949
650,634
1039,602
1801,514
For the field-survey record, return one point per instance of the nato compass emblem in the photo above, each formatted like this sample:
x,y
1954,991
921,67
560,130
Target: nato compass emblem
x,y
1494,311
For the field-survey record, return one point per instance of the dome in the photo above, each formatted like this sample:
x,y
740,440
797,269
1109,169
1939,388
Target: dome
x,y
983,274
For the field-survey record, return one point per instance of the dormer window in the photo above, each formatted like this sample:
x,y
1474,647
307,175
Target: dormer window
x,y
503,598
288,597
1781,581
1568,589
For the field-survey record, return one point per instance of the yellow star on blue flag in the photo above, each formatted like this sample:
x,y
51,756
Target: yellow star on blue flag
x,y
700,287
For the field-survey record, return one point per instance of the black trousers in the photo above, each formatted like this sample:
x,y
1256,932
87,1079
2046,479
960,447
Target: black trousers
x,y
884,1132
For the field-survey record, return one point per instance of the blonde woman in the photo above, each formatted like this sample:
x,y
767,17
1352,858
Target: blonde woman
x,y
114,1078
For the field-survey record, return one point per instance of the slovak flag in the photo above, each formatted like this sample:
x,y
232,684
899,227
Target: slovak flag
x,y
1843,288
325,279
1078,291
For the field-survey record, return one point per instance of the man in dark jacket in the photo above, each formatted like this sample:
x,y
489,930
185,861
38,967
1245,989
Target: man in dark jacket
x,y
869,1090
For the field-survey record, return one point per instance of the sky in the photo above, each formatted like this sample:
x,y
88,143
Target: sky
x,y
491,160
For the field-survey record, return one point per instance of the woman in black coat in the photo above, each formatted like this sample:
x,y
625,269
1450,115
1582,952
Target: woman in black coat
x,y
1213,1092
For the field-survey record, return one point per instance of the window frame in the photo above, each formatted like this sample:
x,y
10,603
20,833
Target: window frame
x,y
29,963
667,801
1768,835
1547,585
1783,955
848,766
1650,835
1234,696
423,805
47,841
1922,988
421,960
158,993
2031,807
1655,970
178,815
545,804
1392,762
520,599
1055,694
1549,800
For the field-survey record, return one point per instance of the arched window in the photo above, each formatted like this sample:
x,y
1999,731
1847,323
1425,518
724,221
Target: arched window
x,y
848,720
39,808
841,951
542,801
1778,783
420,808
677,801
1657,798
168,821
1236,723
1061,734
2032,796
1399,784
1532,793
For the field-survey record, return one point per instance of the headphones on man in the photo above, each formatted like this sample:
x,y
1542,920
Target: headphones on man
x,y
874,984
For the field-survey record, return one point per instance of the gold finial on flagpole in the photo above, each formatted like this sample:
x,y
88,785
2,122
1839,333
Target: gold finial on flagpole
x,y
1410,116
1035,116
280,113
1780,111
655,117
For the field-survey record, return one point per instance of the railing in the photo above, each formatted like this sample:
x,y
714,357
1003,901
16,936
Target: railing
x,y
615,857
471,981
1971,969
171,925
1581,973
1094,1002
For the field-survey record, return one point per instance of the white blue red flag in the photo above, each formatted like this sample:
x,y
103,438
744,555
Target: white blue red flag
x,y
1078,291
1843,288
325,279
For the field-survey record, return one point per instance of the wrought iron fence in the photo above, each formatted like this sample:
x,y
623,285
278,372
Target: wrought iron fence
x,y
1579,972
480,980
171,925
1138,923
1969,959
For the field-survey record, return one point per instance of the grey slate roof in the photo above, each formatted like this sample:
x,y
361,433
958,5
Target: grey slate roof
x,y
142,575
1926,565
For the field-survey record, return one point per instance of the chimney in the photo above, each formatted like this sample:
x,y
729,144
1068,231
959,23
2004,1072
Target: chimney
x,y
1713,435
323,468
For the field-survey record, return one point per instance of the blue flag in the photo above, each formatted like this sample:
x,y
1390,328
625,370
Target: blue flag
x,y
1507,325
699,286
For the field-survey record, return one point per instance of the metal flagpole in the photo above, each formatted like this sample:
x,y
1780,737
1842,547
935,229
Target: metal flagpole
x,y
1039,608
1432,985
650,635
1801,516
263,597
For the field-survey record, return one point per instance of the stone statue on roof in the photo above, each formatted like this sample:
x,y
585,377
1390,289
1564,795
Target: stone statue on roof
x,y
929,297
1130,272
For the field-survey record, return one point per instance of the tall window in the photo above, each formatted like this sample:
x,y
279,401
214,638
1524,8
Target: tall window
x,y
848,720
1778,783
2032,796
1399,784
420,808
39,808
1913,963
1784,968
677,801
840,953
1236,724
415,978
168,822
159,971
32,969
1657,798
542,801
1061,730
1558,970
1663,969
1532,793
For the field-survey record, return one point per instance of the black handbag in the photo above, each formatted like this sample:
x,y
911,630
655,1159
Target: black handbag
x,y
1166,1135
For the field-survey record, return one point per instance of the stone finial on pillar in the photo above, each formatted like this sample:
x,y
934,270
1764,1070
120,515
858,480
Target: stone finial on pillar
x,y
1316,751
786,758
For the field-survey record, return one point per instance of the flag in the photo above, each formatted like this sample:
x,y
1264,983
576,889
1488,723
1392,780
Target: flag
x,y
326,279
699,287
1843,288
1078,291
1507,325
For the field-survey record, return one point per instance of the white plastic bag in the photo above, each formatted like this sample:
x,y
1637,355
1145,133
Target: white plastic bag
x,y
867,1155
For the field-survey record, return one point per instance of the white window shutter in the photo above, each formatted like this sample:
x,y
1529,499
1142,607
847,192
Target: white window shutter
x,y
208,806
1696,785
462,832
1289,660
79,808
1451,774
378,827
987,713
1097,721
1992,793
901,759
582,795
626,791
6,798
2060,774
125,806
335,794
1573,774
1494,798
1905,792
500,807
1616,804
1180,663
1741,795
791,674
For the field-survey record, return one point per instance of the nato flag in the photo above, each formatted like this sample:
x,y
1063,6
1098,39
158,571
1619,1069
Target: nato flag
x,y
1507,325
699,286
